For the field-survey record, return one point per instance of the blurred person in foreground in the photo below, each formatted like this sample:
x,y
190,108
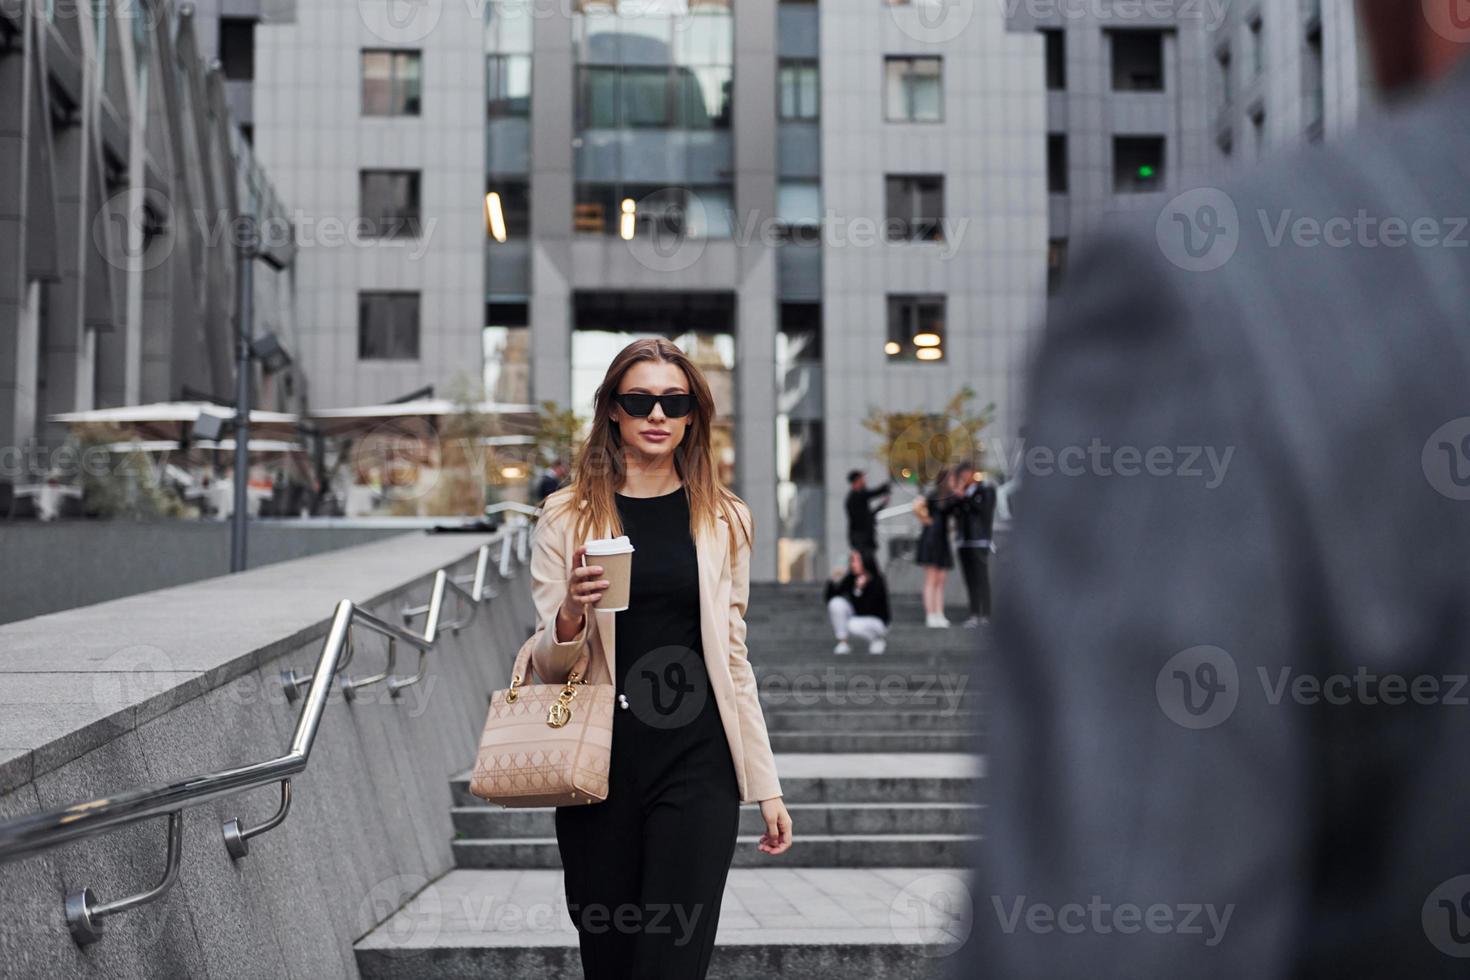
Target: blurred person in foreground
x,y
1227,732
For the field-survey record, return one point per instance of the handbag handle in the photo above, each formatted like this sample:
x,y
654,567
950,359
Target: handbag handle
x,y
524,668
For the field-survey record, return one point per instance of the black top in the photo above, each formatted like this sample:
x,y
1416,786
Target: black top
x,y
660,653
859,509
871,601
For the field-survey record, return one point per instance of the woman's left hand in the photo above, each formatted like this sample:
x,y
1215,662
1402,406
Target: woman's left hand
x,y
777,837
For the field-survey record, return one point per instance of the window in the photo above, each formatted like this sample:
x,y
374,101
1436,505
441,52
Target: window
x,y
1056,163
1138,164
387,326
915,328
799,93
1056,264
390,83
506,354
390,203
914,89
799,204
1056,59
803,439
915,208
237,48
1138,61
507,209
658,97
1258,45
636,210
1313,82
1227,92
799,340
507,86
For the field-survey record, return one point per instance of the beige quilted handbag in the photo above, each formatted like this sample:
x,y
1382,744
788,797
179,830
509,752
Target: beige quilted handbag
x,y
545,744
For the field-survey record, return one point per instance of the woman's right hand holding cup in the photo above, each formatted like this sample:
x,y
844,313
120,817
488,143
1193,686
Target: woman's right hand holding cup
x,y
584,588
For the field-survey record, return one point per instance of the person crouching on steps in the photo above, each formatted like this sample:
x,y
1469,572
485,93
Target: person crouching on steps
x,y
857,602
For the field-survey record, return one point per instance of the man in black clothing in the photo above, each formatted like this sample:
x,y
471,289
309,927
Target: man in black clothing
x,y
862,526
974,519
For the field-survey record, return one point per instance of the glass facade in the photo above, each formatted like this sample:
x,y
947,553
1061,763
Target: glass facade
x,y
654,89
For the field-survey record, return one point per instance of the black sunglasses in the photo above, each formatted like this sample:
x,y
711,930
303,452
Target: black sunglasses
x,y
640,404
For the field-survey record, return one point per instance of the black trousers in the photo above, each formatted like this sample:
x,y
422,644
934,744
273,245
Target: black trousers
x,y
975,564
645,869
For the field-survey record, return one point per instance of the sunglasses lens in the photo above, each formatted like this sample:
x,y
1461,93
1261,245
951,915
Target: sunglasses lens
x,y
636,405
678,406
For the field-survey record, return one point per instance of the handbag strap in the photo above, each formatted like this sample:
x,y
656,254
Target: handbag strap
x,y
523,668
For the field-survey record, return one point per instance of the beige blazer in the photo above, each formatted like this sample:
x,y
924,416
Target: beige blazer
x,y
724,589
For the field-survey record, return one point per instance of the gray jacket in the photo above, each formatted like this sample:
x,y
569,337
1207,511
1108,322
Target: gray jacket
x,y
1197,763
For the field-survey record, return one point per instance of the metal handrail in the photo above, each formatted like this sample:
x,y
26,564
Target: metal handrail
x,y
28,835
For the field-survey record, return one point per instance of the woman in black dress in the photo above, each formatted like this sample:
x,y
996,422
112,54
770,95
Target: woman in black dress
x,y
934,551
645,869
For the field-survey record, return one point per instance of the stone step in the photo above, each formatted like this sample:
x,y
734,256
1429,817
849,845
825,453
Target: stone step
x,y
854,777
808,851
487,821
879,719
816,924
878,741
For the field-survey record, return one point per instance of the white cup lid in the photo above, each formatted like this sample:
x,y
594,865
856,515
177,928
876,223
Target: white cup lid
x,y
610,546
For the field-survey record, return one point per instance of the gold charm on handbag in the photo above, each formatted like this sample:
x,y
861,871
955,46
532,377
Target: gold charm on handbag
x,y
560,711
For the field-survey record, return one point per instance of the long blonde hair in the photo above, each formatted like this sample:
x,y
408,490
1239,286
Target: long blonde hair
x,y
600,468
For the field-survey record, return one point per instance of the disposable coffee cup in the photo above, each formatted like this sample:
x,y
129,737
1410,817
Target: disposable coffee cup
x,y
615,555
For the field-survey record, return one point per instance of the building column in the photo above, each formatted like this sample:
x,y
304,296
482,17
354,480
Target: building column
x,y
757,302
553,116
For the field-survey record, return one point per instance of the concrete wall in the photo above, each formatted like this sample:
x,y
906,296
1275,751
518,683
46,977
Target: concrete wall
x,y
51,567
153,688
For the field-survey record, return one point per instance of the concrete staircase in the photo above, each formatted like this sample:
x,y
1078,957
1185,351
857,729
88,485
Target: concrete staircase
x,y
877,760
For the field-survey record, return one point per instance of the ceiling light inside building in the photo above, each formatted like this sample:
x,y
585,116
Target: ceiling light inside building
x,y
892,347
495,216
629,219
929,353
926,339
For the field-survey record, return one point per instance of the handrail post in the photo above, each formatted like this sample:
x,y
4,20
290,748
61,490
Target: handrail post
x,y
84,916
237,838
